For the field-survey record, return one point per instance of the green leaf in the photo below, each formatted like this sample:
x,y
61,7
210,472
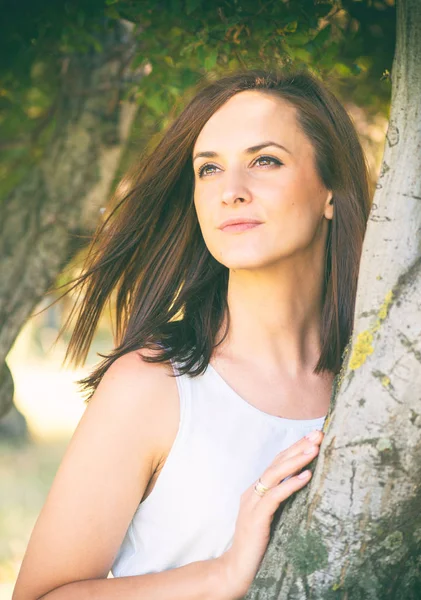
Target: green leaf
x,y
356,69
201,54
112,12
343,69
331,51
291,26
300,53
321,38
156,103
290,18
298,39
210,60
191,5
322,9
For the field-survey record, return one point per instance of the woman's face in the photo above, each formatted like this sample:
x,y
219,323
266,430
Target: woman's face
x,y
245,174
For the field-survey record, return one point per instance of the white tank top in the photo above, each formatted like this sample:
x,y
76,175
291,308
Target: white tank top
x,y
222,446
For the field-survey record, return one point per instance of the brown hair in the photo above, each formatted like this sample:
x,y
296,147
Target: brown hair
x,y
151,253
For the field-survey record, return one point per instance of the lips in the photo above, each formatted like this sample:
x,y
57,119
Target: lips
x,y
239,227
239,221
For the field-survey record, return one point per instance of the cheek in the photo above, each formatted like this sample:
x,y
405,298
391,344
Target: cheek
x,y
212,237
291,221
201,212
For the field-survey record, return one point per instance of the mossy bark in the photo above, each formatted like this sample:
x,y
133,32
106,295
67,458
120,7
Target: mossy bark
x,y
355,532
50,215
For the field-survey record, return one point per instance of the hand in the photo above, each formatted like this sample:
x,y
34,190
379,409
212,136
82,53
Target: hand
x,y
242,560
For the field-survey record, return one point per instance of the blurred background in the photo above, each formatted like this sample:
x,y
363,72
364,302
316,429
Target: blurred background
x,y
85,88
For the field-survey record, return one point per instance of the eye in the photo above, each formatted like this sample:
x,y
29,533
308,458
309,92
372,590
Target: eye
x,y
204,167
203,170
270,159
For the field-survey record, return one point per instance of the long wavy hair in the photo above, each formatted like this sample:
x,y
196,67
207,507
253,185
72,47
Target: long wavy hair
x,y
170,294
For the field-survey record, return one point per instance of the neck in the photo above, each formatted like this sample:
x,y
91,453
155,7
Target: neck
x,y
275,317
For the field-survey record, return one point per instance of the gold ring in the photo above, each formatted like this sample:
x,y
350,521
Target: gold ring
x,y
260,489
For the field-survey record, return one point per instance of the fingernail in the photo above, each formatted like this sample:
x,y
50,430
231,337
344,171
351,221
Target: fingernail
x,y
303,475
312,436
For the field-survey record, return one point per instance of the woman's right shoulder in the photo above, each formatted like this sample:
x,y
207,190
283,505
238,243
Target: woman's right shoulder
x,y
131,369
140,391
133,364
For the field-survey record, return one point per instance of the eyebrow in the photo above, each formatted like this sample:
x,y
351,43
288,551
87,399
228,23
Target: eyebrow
x,y
251,150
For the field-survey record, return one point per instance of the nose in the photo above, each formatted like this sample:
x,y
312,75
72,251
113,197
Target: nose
x,y
235,188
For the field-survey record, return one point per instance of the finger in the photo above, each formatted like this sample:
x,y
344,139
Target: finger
x,y
279,471
315,437
279,493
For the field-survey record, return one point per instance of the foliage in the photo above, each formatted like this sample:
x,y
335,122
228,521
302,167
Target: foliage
x,y
180,42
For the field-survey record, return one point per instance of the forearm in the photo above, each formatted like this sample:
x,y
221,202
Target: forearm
x,y
201,580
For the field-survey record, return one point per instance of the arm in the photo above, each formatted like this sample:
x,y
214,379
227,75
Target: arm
x,y
196,581
119,441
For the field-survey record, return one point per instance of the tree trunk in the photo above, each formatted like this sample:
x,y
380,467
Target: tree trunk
x,y
43,219
355,531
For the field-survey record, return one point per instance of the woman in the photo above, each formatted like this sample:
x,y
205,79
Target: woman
x,y
234,259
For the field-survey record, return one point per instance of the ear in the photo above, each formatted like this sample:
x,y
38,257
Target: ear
x,y
328,212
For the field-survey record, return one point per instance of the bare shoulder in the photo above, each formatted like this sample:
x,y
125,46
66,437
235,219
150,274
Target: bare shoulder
x,y
129,421
143,396
148,393
136,381
132,364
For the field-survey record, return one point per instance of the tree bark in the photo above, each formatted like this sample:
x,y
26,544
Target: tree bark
x,y
45,218
355,531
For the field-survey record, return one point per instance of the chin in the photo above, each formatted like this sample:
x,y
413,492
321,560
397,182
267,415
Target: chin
x,y
237,260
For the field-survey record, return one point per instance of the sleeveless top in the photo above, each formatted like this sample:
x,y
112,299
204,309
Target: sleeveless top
x,y
222,446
